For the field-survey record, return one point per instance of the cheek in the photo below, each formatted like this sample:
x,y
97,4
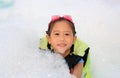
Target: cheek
x,y
70,41
53,40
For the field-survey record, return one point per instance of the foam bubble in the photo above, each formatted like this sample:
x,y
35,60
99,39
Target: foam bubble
x,y
38,64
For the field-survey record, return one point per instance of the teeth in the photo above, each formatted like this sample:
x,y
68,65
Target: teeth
x,y
62,44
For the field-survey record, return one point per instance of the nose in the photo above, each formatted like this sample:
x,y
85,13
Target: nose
x,y
61,37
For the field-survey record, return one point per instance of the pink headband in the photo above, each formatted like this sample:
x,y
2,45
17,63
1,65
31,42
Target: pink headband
x,y
57,17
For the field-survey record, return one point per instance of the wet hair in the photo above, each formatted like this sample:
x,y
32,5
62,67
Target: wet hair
x,y
51,25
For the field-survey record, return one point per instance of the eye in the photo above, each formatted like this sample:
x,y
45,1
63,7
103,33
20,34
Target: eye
x,y
67,34
57,34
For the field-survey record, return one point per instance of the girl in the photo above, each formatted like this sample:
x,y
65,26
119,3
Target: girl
x,y
61,37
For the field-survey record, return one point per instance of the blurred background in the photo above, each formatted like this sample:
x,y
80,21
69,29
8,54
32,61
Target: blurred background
x,y
24,22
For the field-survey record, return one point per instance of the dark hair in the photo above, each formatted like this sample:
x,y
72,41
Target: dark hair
x,y
51,25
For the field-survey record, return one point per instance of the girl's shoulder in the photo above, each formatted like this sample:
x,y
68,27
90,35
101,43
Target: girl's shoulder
x,y
80,47
72,60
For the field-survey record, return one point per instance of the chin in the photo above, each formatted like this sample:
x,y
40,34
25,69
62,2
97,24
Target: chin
x,y
60,51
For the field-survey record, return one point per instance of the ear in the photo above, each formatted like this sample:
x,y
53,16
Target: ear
x,y
48,38
74,39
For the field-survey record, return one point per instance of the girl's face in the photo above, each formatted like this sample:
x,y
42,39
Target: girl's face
x,y
61,37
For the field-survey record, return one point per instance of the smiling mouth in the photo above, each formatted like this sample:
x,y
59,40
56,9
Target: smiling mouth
x,y
62,45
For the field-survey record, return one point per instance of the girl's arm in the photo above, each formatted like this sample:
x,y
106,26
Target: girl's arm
x,y
77,71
